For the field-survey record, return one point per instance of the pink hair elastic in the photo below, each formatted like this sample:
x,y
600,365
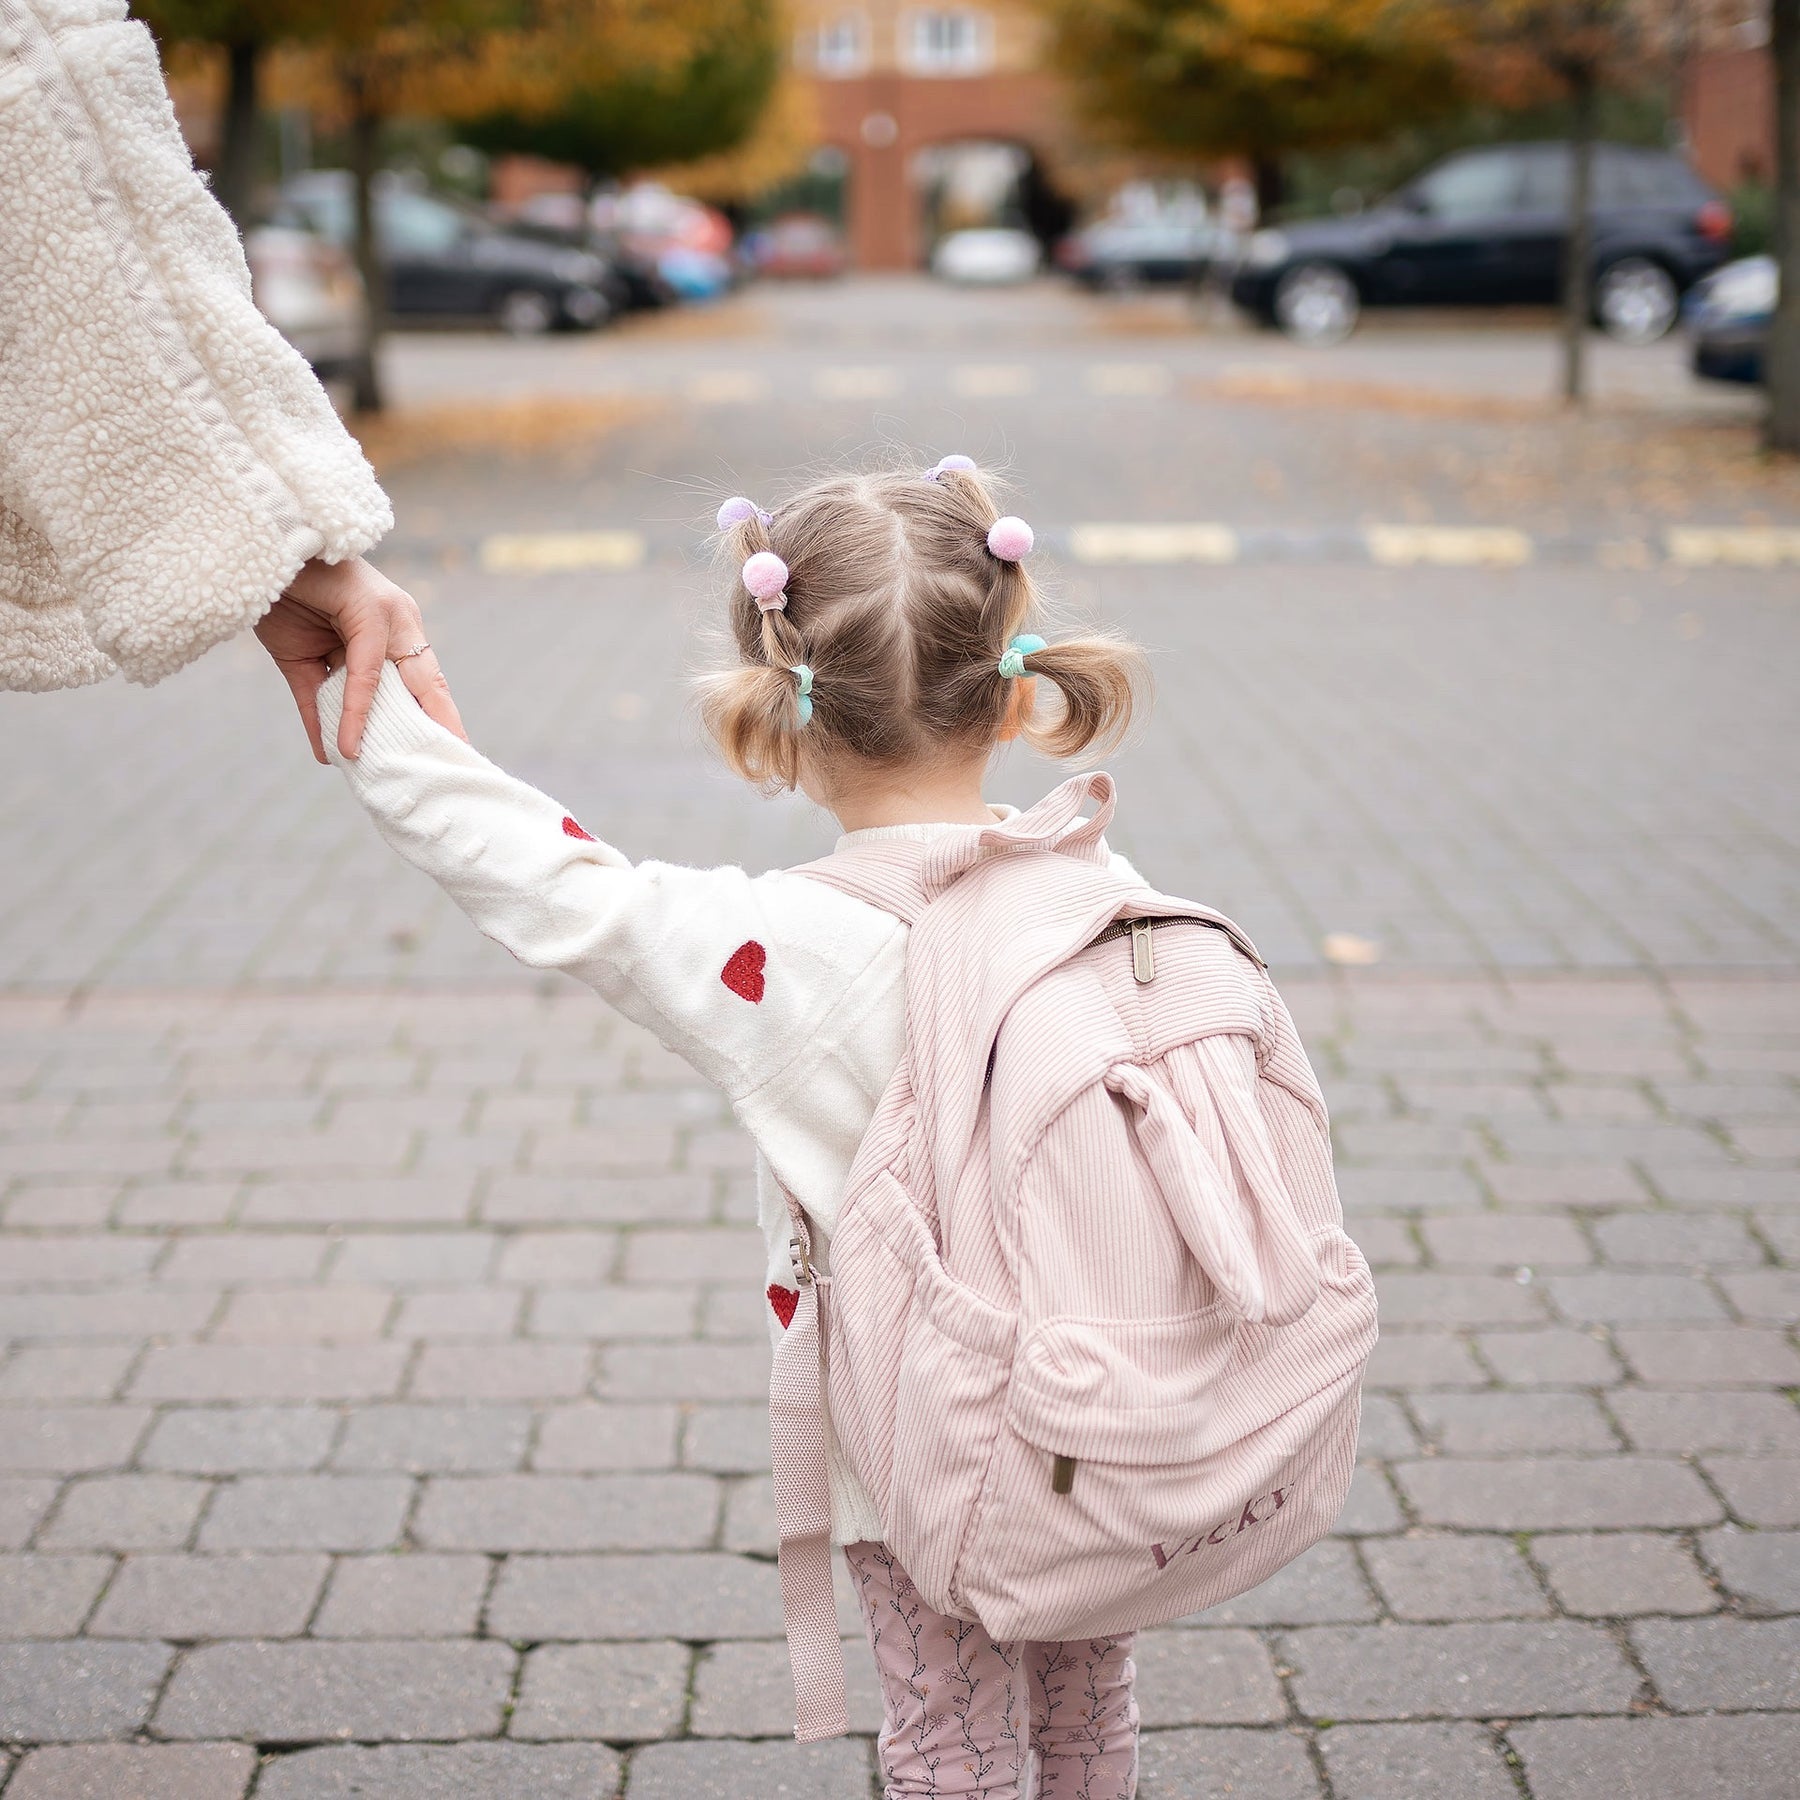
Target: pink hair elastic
x,y
946,463
738,511
766,576
1010,539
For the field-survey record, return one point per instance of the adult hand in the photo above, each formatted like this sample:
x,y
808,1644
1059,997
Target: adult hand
x,y
350,613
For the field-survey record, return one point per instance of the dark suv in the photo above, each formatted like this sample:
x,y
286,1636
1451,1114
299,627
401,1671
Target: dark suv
x,y
1487,228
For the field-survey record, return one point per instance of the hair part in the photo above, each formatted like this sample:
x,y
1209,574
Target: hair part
x,y
901,611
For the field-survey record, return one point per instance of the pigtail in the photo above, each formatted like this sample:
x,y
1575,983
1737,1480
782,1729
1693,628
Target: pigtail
x,y
1101,682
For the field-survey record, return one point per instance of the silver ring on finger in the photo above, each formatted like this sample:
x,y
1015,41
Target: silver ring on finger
x,y
416,650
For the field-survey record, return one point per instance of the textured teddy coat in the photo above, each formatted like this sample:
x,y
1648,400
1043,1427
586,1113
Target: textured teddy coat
x,y
167,460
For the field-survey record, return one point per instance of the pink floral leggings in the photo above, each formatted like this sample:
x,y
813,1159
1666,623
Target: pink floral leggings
x,y
964,1714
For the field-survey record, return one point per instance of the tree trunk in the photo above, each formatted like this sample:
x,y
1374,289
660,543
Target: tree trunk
x,y
234,180
1577,275
1271,185
1782,358
365,159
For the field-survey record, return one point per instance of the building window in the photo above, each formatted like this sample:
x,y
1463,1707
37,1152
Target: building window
x,y
947,43
838,47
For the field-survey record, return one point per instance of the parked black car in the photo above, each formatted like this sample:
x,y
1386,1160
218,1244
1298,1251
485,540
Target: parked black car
x,y
1729,314
1122,253
446,263
1487,227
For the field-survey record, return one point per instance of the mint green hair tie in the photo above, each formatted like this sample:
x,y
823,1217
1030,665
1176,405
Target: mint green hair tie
x,y
804,675
1012,663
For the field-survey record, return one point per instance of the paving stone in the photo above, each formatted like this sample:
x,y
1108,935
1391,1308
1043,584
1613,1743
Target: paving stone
x,y
1729,1188
750,1515
304,1315
295,1693
1760,1490
107,1313
595,1438
1762,1568
1206,1678
444,1772
720,1253
1403,1190
1485,1424
125,1512
490,1314
1752,1423
730,1439
500,1372
696,1598
390,1200
233,1440
614,1315
1398,1762
65,1371
301,1372
1554,1493
1450,1578
626,1693
179,1203
1552,1356
1386,1243
1384,1431
746,1690
53,1693
1505,1241
1741,1665
1676,1240
550,1199
567,1512
726,1770
308,1512
557,1257
435,1440
1495,1670
73,1256
683,1372
1747,1758
1178,1765
48,1596
1422,1359
1370,1507
1609,1298
403,1596
1424,1297
1564,1184
1618,1573
413,1258
68,1440
1770,1296
739,1313
1323,1586
211,1258
136,1772
193,1597
23,1503
1724,1356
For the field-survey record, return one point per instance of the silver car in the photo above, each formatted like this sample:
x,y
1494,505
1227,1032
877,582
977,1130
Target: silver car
x,y
309,290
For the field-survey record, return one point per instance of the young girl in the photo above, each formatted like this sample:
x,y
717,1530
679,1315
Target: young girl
x,y
882,628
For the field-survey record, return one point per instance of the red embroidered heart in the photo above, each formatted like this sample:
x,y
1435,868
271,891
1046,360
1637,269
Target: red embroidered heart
x,y
571,829
783,1300
744,973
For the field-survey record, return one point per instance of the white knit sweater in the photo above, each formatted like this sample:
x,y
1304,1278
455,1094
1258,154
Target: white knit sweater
x,y
781,991
167,461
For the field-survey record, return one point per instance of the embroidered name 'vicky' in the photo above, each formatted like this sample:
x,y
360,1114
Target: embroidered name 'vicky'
x,y
1224,1529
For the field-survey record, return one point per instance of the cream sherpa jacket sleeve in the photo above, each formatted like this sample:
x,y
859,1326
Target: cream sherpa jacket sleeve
x,y
167,461
761,983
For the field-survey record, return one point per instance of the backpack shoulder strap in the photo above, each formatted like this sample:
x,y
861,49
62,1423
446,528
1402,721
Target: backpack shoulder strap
x,y
882,875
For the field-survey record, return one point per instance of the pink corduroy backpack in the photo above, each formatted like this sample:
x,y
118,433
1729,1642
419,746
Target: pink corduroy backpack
x,y
1093,1333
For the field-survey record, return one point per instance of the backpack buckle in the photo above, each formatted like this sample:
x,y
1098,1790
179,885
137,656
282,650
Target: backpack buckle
x,y
801,1259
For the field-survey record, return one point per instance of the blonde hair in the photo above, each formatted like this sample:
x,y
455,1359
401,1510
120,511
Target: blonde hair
x,y
901,613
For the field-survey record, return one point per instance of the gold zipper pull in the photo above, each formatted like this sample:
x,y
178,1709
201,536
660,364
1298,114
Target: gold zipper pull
x,y
1062,1475
1143,953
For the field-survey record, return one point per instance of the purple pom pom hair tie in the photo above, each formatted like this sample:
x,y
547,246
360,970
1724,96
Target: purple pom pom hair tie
x,y
946,463
766,577
737,511
1010,539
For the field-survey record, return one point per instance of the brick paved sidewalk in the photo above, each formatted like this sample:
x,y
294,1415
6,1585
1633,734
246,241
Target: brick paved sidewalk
x,y
381,1412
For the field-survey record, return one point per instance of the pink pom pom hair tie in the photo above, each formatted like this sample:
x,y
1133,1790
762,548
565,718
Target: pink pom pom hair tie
x,y
1010,539
946,463
766,576
737,510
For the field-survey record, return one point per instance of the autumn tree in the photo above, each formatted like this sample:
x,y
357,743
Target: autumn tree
x,y
1254,78
245,31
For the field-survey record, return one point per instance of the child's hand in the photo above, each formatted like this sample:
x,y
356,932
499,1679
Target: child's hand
x,y
335,614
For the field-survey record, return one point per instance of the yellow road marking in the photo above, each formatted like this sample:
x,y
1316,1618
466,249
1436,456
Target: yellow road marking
x,y
1127,380
992,381
545,552
1757,546
856,384
1204,543
728,387
1455,545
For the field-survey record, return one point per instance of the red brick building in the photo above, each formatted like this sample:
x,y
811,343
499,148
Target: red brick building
x,y
1728,107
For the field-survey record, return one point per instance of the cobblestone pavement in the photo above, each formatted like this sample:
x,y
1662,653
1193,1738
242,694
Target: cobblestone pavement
x,y
381,1362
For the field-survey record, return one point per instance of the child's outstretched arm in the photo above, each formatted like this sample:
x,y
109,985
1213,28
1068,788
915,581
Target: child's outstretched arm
x,y
735,974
